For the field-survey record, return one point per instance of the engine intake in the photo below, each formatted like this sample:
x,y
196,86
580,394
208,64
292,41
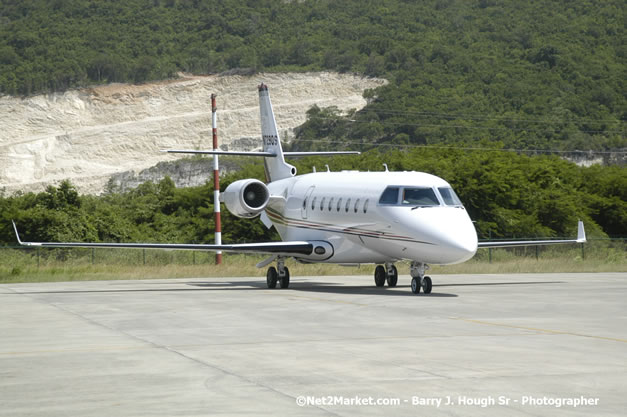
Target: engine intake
x,y
246,198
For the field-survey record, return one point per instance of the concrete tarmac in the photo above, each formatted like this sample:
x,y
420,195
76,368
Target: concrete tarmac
x,y
515,345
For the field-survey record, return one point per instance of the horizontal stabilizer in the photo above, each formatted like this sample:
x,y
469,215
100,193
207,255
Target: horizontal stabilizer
x,y
264,154
321,153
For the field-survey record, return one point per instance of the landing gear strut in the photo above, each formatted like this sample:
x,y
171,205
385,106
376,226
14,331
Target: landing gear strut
x,y
418,279
280,274
385,273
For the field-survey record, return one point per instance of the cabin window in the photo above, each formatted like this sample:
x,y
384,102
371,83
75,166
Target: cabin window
x,y
348,203
339,204
421,197
331,204
322,203
356,205
313,203
366,206
389,196
449,196
304,204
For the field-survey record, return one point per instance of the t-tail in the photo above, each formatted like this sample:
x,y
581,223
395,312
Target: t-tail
x,y
274,158
276,167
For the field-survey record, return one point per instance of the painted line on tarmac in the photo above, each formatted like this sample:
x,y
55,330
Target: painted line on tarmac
x,y
535,329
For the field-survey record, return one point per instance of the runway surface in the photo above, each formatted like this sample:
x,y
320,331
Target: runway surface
x,y
515,345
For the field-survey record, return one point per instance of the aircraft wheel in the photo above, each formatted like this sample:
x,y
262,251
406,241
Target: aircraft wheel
x,y
415,286
284,281
427,285
271,277
393,277
379,276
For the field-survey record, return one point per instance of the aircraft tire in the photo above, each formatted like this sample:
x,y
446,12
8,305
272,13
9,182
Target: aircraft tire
x,y
379,276
284,281
271,277
427,285
415,286
393,277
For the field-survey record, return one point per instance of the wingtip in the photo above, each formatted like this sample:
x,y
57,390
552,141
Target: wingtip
x,y
17,235
581,232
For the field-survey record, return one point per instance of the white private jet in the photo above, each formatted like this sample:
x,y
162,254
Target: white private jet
x,y
346,217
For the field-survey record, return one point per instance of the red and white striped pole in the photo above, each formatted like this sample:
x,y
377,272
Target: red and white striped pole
x,y
216,180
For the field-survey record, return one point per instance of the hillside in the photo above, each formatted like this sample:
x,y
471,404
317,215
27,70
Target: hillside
x,y
547,74
89,134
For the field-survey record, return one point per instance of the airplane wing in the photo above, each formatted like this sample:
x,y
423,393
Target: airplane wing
x,y
275,248
581,238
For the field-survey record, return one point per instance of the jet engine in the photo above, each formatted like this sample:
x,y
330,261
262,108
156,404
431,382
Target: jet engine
x,y
246,198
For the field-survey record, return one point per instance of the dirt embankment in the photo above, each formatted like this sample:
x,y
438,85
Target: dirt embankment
x,y
89,134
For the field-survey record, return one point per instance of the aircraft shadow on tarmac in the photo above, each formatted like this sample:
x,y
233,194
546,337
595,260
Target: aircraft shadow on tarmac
x,y
336,288
326,287
309,286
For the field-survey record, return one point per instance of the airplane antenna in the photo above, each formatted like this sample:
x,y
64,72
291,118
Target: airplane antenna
x,y
386,167
314,169
328,169
216,179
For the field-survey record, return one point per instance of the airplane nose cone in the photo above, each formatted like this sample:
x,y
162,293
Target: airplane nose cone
x,y
450,231
462,244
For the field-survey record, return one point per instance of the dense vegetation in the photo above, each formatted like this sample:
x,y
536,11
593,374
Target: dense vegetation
x,y
545,74
507,194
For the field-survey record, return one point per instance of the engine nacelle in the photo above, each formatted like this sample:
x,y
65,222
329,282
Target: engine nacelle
x,y
246,198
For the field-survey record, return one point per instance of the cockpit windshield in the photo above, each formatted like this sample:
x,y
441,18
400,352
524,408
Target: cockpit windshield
x,y
422,197
449,196
409,196
419,196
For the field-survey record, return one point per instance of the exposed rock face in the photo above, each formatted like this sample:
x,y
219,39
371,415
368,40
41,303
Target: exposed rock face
x,y
88,135
185,172
588,158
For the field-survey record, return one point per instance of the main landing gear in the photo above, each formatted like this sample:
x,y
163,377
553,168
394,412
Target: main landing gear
x,y
390,274
279,274
387,273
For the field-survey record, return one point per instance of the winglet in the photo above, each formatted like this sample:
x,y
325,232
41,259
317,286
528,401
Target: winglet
x,y
17,235
581,233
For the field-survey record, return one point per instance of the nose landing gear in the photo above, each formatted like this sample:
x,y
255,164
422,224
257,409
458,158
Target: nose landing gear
x,y
418,279
280,274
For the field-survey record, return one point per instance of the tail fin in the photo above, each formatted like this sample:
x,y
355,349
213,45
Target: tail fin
x,y
276,168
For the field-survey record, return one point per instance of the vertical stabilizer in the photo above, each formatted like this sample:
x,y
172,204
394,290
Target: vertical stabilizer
x,y
276,167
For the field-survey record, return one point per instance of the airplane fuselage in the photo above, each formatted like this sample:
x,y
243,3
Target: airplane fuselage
x,y
414,221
